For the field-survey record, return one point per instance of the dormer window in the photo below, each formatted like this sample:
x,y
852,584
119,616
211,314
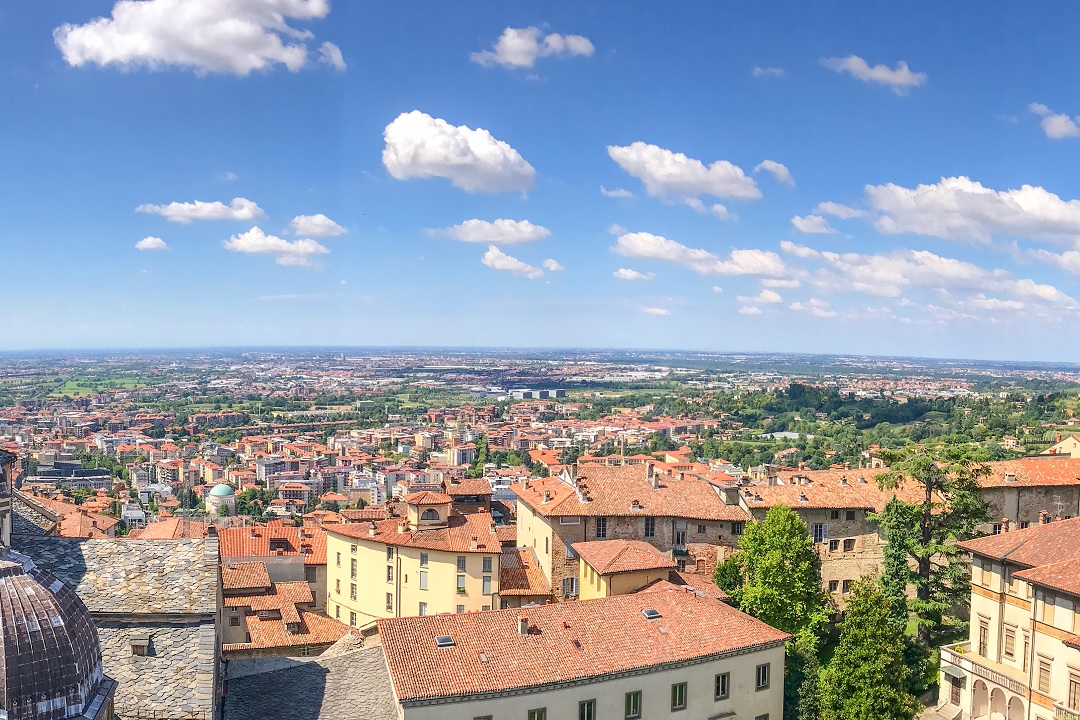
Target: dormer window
x,y
140,644
430,514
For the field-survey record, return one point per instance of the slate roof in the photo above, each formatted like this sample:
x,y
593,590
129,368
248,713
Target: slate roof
x,y
353,686
171,577
618,556
566,642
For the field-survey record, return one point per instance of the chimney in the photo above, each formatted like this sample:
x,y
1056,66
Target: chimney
x,y
1042,517
650,475
372,529
473,543
1010,477
523,625
1004,524
547,496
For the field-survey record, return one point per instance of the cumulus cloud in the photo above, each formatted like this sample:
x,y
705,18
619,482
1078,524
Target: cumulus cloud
x,y
677,178
236,37
629,274
844,212
330,54
900,78
818,308
418,145
295,253
496,259
982,302
185,212
151,243
317,225
779,171
767,72
768,297
656,311
500,232
739,262
616,193
616,229
749,310
520,47
812,225
1057,126
553,265
717,289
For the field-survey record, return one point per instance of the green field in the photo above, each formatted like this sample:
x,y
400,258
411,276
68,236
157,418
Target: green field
x,y
78,386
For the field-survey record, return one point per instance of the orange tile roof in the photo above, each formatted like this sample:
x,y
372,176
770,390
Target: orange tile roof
x,y
372,512
699,582
1064,576
1037,545
566,642
832,489
612,490
282,597
521,574
426,497
77,521
468,486
1033,471
315,629
172,528
239,543
245,576
618,556
457,536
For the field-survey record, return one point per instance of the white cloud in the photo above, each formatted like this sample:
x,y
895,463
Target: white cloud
x,y
496,259
720,211
717,289
629,274
330,54
656,311
616,229
749,310
553,265
295,253
235,37
520,47
500,232
767,72
982,302
958,208
1069,261
900,79
844,212
151,243
678,178
779,170
768,297
616,193
230,176
317,225
818,308
778,283
812,225
739,262
1057,126
185,212
418,145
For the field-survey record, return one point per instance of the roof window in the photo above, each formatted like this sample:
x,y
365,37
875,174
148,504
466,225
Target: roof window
x,y
444,641
651,614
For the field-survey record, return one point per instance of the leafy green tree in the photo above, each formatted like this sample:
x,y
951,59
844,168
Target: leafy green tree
x,y
802,684
950,510
867,678
728,577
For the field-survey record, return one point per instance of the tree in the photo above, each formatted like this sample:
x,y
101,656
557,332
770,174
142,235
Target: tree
x,y
950,509
729,578
867,678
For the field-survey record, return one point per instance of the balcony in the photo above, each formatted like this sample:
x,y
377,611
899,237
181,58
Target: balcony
x,y
962,657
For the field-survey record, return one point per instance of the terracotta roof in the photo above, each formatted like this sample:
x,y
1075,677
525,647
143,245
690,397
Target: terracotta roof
x,y
1038,545
566,642
612,491
1033,471
426,497
314,629
506,533
521,574
618,556
457,536
239,543
245,576
700,582
172,528
79,522
282,597
1064,576
831,489
373,512
468,486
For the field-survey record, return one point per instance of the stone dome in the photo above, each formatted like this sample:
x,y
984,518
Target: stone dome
x,y
222,490
50,667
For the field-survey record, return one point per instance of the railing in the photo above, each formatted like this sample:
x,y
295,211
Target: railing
x,y
969,661
1063,713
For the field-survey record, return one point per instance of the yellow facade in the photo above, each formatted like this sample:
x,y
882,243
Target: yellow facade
x,y
592,584
534,531
401,581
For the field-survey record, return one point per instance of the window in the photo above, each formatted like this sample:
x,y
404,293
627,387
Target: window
x,y
389,601
337,612
1024,524
485,607
459,609
850,515
483,717
650,527
389,573
846,588
737,528
423,579
996,529
570,554
423,559
570,587
487,564
762,677
461,584
352,591
762,717
601,528
834,545
569,521
537,714
352,569
486,585
834,514
722,689
849,545
680,538
984,638
547,545
352,549
1044,675
633,704
339,559
701,529
461,563
834,585
1010,642
423,608
678,696
389,553
586,710
352,619
820,531
337,586
234,621
1073,700
430,514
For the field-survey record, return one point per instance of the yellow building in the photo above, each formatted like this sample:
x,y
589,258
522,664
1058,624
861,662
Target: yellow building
x,y
1022,659
424,563
618,567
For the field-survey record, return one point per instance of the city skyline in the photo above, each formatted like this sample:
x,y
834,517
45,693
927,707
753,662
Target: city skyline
x,y
893,182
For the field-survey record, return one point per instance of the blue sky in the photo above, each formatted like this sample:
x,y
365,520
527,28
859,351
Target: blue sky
x,y
866,178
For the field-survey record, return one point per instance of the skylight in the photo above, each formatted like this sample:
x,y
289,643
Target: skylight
x,y
444,641
650,614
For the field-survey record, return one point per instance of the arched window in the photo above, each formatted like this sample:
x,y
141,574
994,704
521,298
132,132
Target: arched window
x,y
430,514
